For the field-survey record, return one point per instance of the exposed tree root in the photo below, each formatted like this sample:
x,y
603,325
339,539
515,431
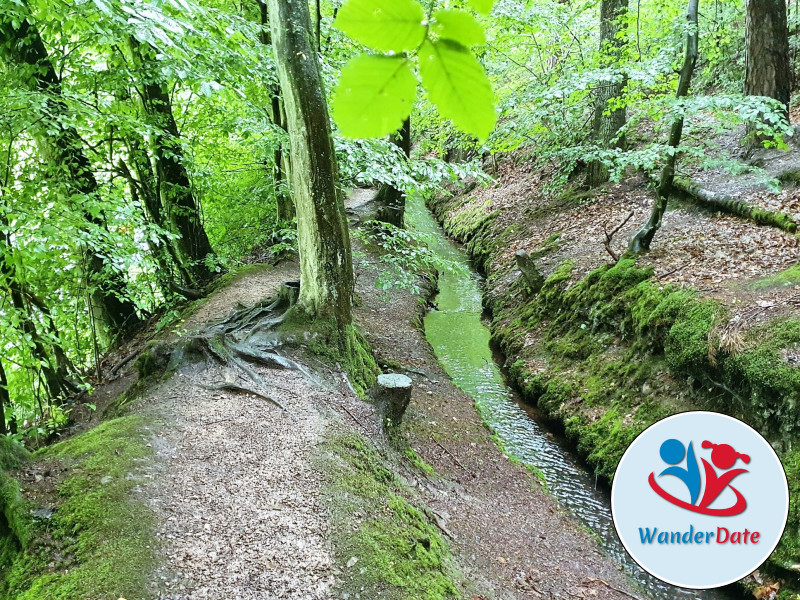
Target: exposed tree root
x,y
233,387
249,336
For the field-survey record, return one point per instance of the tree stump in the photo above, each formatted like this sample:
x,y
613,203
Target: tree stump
x,y
391,394
288,294
530,273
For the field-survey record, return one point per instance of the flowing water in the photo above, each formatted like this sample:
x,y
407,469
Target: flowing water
x,y
460,340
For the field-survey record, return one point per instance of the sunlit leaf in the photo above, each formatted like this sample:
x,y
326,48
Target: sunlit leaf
x,y
457,83
374,95
385,25
482,6
459,26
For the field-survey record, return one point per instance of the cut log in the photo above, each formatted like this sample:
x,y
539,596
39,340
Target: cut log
x,y
530,273
729,204
391,394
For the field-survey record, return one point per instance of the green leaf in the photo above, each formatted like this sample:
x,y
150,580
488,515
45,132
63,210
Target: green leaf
x,y
459,26
482,6
374,95
457,83
385,25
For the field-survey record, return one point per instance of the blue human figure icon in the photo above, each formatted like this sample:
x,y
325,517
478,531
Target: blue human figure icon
x,y
672,453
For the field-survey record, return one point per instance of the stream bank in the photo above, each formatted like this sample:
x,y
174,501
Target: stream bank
x,y
605,352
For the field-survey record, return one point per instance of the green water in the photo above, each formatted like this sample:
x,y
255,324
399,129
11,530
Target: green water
x,y
460,339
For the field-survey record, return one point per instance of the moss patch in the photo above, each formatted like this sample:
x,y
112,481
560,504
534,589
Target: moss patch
x,y
609,354
346,347
98,543
399,553
789,277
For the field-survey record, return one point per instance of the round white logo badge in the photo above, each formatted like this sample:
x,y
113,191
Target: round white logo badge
x,y
700,500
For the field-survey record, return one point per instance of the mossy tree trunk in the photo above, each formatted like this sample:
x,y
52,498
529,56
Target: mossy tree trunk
x,y
22,46
326,268
178,201
393,201
644,237
608,122
280,162
768,69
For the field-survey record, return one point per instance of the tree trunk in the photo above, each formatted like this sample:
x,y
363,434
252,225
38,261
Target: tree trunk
x,y
5,398
54,365
175,189
326,268
607,123
22,46
392,200
735,206
644,237
279,170
768,70
319,25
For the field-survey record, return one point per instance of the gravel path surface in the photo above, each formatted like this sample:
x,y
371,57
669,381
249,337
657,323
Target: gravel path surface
x,y
239,505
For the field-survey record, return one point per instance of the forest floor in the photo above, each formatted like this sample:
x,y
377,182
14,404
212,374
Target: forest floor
x,y
252,502
722,256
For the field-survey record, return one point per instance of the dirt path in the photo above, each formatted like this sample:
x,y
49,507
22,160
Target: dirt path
x,y
241,504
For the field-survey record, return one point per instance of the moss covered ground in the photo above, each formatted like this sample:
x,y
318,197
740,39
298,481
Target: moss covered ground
x,y
379,531
98,542
615,351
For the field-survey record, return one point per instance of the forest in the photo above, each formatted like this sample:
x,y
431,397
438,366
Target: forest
x,y
224,224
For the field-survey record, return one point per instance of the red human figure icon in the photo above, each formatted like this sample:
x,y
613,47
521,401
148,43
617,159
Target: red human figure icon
x,y
724,457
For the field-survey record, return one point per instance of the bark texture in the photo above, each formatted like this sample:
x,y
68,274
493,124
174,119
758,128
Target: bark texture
x,y
607,123
393,201
644,237
326,267
5,399
392,395
280,166
22,46
768,70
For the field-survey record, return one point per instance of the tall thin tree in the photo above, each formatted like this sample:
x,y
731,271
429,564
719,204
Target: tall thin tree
x,y
326,267
609,119
280,160
644,237
178,200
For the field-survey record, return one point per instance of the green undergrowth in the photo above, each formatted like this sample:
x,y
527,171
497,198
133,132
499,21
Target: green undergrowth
x,y
97,544
789,277
392,547
616,351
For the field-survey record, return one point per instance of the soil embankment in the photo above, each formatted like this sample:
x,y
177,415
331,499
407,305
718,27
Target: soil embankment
x,y
708,319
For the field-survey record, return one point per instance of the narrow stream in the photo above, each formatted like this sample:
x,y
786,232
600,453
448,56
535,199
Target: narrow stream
x,y
460,340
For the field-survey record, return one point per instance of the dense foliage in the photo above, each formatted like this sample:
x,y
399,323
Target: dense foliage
x,y
129,127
